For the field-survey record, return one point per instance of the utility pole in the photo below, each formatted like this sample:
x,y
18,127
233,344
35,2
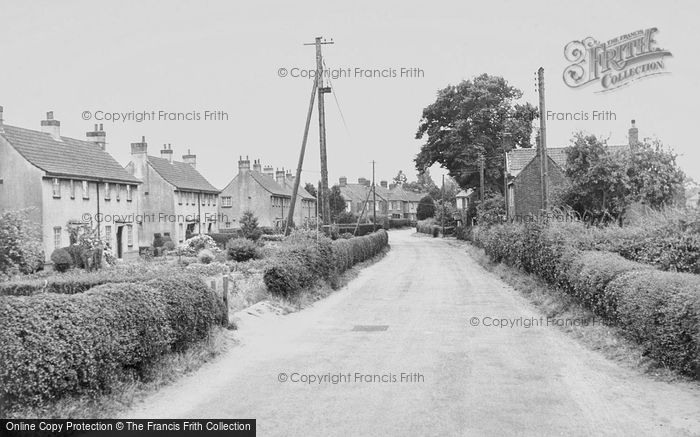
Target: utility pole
x,y
374,199
543,141
505,174
442,216
481,177
324,193
290,217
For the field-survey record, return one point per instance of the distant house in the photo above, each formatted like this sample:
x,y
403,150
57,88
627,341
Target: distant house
x,y
68,181
403,204
175,199
524,182
356,195
266,193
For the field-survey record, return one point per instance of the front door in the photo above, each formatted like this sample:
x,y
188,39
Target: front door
x,y
119,241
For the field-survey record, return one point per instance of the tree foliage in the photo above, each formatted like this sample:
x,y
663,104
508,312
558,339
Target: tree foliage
x,y
655,179
311,188
336,201
400,178
426,208
470,119
20,244
249,226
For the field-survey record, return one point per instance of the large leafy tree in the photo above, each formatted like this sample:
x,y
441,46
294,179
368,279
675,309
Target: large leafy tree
x,y
336,201
655,179
470,119
426,208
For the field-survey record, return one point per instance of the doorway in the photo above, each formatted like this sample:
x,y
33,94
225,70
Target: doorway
x,y
119,241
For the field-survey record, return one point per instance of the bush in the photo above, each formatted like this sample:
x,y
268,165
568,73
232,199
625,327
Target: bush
x,y
205,256
192,246
20,244
61,259
213,269
661,311
305,258
242,249
426,208
428,226
56,345
249,226
169,246
589,275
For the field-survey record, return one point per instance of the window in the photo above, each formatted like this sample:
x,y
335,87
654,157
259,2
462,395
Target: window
x,y
226,201
203,197
72,189
129,235
86,193
108,235
57,237
179,197
128,193
56,188
180,233
209,196
108,195
118,187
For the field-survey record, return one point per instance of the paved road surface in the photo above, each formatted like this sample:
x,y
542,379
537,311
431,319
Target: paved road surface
x,y
471,380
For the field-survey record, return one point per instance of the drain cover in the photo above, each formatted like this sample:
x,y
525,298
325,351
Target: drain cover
x,y
370,328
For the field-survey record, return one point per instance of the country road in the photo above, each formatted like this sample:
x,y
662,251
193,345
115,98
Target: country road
x,y
412,313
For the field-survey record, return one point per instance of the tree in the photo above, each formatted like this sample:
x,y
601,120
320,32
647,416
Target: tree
x,y
20,244
311,188
249,226
336,201
400,178
469,119
655,179
426,208
600,185
423,184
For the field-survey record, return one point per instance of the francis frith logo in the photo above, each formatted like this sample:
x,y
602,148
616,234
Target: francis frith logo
x,y
616,62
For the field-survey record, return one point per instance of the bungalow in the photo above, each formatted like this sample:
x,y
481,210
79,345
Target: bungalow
x,y
64,181
175,199
523,175
266,193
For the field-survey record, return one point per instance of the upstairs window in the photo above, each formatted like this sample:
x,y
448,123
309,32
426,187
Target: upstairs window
x,y
72,189
108,195
118,187
56,187
226,201
86,193
128,193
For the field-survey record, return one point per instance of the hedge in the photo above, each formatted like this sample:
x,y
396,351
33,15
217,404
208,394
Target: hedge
x,y
57,344
660,310
305,258
428,226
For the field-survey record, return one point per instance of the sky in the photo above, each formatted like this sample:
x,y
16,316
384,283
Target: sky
x,y
96,58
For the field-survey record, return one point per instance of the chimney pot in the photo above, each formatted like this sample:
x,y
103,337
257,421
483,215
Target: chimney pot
x,y
98,136
633,135
51,126
101,126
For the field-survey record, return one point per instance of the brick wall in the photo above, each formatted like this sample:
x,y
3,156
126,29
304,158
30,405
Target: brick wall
x,y
527,187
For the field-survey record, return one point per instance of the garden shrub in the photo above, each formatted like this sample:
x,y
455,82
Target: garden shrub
x,y
57,344
20,244
61,259
192,246
661,311
428,226
242,249
212,269
205,256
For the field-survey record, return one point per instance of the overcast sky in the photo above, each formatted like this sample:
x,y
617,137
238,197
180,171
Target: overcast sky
x,y
178,56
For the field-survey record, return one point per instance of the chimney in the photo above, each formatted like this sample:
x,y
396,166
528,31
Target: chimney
x,y
290,178
392,186
257,166
343,181
279,176
243,164
269,171
1,121
384,184
633,135
190,159
98,136
366,182
51,126
167,153
361,181
139,158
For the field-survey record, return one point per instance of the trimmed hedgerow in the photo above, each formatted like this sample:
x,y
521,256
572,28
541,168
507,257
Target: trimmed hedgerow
x,y
589,275
305,258
58,344
661,311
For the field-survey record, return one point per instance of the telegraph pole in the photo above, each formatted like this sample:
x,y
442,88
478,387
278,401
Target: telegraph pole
x,y
505,173
481,177
324,193
374,199
290,217
543,141
442,215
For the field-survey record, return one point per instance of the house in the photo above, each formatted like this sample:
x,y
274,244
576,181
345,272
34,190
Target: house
x,y
175,199
356,195
65,181
523,176
267,194
463,198
403,204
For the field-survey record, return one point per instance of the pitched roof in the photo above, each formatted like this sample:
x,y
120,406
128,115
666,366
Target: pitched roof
x,y
358,192
398,193
518,158
68,157
269,184
181,175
